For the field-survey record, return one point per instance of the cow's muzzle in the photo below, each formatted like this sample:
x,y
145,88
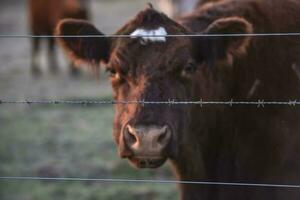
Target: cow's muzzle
x,y
147,144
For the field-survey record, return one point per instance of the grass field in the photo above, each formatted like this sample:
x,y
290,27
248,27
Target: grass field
x,y
68,141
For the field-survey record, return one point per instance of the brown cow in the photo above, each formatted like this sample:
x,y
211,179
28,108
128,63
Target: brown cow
x,y
209,143
43,17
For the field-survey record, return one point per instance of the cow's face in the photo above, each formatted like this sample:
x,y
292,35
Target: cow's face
x,y
151,71
156,69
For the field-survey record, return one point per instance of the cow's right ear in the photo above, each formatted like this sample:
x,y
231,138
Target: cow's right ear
x,y
87,49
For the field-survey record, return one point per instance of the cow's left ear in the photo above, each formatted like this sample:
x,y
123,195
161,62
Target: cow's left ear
x,y
217,48
82,41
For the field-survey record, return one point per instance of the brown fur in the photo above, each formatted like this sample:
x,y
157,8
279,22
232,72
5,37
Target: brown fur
x,y
212,143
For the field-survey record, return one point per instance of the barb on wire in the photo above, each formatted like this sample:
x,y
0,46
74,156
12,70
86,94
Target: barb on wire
x,y
25,178
259,103
171,35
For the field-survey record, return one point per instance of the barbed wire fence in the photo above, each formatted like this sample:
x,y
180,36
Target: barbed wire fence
x,y
137,181
170,102
259,103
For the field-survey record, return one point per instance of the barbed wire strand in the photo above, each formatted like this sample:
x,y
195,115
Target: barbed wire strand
x,y
130,36
258,103
30,178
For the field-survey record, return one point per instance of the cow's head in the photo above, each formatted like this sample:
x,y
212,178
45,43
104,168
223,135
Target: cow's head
x,y
155,69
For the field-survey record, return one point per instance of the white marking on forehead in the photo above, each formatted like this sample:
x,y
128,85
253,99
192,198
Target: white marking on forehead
x,y
146,35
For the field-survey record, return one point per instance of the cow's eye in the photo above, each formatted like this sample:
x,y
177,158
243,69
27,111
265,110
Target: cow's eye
x,y
112,72
189,68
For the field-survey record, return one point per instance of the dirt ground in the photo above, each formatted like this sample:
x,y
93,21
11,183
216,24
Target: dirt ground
x,y
63,141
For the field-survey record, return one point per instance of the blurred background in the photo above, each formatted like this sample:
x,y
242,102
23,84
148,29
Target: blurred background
x,y
62,140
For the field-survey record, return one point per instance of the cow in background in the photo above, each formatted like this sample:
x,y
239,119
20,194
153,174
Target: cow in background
x,y
43,17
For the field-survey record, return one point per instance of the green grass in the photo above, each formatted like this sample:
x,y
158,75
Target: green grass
x,y
68,141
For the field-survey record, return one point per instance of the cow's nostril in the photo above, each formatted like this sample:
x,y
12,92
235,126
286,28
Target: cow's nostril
x,y
162,137
130,135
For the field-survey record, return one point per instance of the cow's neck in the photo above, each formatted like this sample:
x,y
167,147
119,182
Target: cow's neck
x,y
207,157
206,152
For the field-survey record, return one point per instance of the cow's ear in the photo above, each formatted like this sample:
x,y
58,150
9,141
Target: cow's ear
x,y
87,49
218,48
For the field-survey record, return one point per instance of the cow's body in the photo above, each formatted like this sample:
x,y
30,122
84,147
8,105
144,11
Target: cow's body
x,y
210,143
43,17
249,144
